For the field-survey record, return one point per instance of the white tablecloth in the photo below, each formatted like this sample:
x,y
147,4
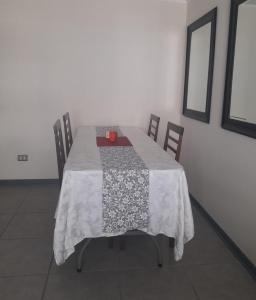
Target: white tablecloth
x,y
79,212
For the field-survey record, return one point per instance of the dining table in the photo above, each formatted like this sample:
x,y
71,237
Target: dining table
x,y
109,189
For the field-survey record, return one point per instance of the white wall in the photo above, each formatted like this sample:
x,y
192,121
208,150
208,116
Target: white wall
x,y
106,62
221,165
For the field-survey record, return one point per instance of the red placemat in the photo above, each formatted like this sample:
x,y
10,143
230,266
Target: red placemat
x,y
121,141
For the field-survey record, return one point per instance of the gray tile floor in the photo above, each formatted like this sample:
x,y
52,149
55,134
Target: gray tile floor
x,y
27,270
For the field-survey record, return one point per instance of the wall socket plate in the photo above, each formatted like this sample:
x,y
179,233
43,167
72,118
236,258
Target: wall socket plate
x,y
22,157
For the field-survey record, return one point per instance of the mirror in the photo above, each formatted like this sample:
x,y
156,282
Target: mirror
x,y
239,113
199,67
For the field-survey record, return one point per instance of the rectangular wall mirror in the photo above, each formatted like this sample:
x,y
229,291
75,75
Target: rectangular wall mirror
x,y
199,67
239,111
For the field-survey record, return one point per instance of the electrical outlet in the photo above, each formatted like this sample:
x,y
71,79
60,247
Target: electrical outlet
x,y
22,157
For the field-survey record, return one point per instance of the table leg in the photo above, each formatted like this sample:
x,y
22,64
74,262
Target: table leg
x,y
158,250
111,242
171,242
122,243
80,255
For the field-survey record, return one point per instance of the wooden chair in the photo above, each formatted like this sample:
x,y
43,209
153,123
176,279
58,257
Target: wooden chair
x,y
68,132
153,128
178,130
59,148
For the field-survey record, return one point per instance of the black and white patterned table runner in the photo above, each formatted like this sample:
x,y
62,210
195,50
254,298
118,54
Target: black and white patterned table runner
x,y
125,188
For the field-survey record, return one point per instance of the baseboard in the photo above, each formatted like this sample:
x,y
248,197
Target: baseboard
x,y
236,251
28,181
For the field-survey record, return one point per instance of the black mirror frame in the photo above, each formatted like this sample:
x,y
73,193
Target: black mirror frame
x,y
210,17
237,126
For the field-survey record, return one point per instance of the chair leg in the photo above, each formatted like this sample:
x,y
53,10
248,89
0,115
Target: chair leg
x,y
122,243
158,250
80,255
171,242
111,242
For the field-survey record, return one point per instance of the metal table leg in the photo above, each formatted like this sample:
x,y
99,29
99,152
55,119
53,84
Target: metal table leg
x,y
111,242
80,255
171,242
158,250
122,242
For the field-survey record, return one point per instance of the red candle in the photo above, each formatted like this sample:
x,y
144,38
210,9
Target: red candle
x,y
112,136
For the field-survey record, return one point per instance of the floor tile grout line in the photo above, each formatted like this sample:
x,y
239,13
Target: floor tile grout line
x,y
26,238
7,225
118,271
21,203
17,213
34,212
26,197
14,212
224,242
136,269
203,264
195,292
105,270
42,212
47,279
119,288
23,275
192,285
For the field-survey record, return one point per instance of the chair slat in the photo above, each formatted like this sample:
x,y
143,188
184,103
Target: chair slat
x,y
179,130
61,159
151,125
171,148
173,139
68,132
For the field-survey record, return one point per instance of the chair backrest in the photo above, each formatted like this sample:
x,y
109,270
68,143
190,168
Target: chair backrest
x,y
68,132
59,148
178,130
153,126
